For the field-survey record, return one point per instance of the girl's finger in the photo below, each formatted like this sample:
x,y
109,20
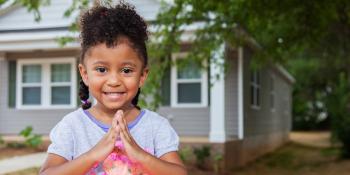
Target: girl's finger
x,y
114,121
125,137
121,123
117,129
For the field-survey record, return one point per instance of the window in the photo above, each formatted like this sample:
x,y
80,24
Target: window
x,y
255,89
272,93
189,85
49,83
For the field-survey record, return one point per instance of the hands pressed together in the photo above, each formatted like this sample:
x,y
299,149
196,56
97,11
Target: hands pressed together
x,y
118,130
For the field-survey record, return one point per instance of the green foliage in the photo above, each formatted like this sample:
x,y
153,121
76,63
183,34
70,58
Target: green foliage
x,y
201,154
16,145
1,140
33,6
31,140
281,159
217,163
185,153
338,104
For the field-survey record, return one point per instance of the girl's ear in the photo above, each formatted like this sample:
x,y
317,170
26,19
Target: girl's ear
x,y
143,77
83,73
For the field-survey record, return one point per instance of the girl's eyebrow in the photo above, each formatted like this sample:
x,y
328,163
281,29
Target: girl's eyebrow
x,y
123,63
99,62
129,63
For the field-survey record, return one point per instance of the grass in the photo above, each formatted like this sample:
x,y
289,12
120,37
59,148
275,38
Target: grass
x,y
298,159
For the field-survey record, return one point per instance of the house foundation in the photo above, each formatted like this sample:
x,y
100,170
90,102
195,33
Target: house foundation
x,y
234,153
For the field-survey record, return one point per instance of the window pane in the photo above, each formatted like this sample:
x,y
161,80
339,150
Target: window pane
x,y
31,74
189,71
60,72
31,96
252,76
60,95
189,93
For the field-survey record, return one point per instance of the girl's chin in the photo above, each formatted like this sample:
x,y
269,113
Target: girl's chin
x,y
116,106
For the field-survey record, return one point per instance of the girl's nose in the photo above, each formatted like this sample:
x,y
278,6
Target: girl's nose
x,y
113,80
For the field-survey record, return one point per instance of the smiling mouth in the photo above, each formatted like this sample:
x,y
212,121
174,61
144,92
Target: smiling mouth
x,y
114,94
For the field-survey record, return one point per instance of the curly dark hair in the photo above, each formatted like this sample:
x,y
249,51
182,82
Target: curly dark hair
x,y
107,25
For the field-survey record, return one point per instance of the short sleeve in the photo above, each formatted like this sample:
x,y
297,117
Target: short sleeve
x,y
61,141
166,139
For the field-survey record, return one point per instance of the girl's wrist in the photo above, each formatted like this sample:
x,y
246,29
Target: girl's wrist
x,y
91,156
144,157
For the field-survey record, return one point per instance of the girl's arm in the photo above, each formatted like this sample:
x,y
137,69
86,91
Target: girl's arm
x,y
170,164
56,164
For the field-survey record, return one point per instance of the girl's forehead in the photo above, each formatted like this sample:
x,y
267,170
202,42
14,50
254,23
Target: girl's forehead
x,y
121,52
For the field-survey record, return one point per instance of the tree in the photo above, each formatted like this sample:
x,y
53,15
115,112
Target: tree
x,y
310,38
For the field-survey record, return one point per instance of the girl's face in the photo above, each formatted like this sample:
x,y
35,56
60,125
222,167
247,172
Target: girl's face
x,y
113,75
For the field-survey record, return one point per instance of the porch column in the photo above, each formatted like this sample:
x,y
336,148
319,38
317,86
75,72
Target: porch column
x,y
217,97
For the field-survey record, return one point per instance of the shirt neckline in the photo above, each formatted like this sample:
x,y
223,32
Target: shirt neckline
x,y
106,127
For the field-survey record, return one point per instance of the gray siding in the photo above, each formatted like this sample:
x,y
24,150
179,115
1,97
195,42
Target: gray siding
x,y
13,120
188,121
265,121
231,94
52,15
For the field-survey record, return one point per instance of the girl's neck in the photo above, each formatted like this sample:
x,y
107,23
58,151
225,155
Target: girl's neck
x,y
106,115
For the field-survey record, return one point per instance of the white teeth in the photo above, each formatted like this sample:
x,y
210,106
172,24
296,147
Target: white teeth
x,y
114,95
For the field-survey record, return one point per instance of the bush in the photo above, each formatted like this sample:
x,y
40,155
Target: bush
x,y
1,140
185,153
218,163
338,104
202,154
31,140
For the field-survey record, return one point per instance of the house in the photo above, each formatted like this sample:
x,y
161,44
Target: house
x,y
244,114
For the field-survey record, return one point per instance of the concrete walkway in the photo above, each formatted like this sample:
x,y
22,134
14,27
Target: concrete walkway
x,y
22,162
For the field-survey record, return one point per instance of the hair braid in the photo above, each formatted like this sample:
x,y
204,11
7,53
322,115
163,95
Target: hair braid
x,y
84,95
136,98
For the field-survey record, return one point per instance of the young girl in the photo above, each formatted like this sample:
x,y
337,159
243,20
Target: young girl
x,y
113,67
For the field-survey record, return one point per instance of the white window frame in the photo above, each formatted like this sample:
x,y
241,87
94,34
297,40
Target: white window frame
x,y
175,81
272,89
46,83
256,104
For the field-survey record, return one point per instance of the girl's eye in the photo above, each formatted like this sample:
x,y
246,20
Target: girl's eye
x,y
126,70
101,69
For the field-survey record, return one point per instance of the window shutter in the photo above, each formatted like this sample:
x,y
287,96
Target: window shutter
x,y
12,84
165,88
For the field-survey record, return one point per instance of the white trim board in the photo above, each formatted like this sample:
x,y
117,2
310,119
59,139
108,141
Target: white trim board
x,y
45,93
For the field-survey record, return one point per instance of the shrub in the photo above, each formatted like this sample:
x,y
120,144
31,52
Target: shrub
x,y
202,154
338,104
185,153
217,163
31,140
1,140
